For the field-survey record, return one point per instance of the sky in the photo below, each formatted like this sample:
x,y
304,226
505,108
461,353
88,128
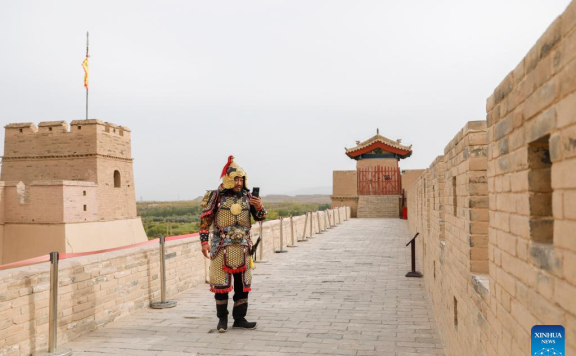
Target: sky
x,y
283,86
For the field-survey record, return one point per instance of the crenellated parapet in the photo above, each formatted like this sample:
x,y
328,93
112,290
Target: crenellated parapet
x,y
57,139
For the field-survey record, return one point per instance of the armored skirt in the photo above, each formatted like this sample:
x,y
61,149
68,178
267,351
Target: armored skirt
x,y
226,260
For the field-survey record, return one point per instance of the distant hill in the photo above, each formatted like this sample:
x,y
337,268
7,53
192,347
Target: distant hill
x,y
324,190
313,198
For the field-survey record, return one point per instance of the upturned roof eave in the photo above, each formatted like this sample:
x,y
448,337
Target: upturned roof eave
x,y
358,150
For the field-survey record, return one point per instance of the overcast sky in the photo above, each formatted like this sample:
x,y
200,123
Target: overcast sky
x,y
284,86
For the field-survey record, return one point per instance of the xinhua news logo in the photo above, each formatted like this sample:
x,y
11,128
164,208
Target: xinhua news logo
x,y
548,340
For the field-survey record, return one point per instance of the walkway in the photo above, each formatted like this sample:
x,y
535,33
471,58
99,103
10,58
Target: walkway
x,y
341,293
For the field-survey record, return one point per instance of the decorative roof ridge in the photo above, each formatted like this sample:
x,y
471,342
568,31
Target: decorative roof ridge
x,y
375,138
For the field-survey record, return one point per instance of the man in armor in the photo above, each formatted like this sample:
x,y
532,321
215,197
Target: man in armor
x,y
229,208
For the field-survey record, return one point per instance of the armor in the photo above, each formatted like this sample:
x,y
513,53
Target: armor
x,y
229,211
230,214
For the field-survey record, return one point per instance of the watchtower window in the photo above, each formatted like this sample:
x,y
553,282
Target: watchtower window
x,y
49,129
79,127
117,183
20,130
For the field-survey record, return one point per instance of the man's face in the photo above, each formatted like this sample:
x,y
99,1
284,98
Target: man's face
x,y
238,184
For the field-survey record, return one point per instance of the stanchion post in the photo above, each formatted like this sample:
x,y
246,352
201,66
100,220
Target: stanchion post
x,y
304,229
292,233
311,224
163,303
281,250
261,247
413,272
326,220
318,218
53,312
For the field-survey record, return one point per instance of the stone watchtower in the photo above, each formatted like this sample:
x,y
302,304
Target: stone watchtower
x,y
66,189
374,189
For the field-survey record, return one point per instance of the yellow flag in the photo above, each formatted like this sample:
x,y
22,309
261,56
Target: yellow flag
x,y
85,66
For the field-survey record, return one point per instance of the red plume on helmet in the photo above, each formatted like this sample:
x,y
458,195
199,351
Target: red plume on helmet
x,y
230,160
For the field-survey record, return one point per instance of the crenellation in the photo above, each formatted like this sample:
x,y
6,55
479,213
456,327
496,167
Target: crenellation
x,y
18,127
53,127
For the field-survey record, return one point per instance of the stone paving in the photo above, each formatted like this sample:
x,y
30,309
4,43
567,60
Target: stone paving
x,y
343,292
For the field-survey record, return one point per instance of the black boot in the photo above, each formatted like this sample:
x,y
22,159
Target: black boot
x,y
239,314
222,313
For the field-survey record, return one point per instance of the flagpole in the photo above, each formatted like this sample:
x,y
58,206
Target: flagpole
x,y
87,45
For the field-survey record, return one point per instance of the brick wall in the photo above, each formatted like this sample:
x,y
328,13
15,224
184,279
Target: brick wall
x,y
515,185
466,191
444,206
531,171
98,289
379,206
345,190
115,202
49,202
345,183
409,176
33,203
77,169
373,162
341,201
80,202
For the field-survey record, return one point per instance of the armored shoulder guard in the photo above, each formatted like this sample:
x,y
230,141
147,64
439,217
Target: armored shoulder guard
x,y
209,202
206,199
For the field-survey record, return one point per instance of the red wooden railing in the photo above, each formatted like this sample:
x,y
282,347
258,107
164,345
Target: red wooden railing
x,y
379,180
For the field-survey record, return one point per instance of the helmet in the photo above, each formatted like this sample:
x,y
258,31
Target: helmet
x,y
230,171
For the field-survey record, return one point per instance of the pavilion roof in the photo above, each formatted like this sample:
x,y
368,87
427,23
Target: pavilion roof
x,y
379,141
